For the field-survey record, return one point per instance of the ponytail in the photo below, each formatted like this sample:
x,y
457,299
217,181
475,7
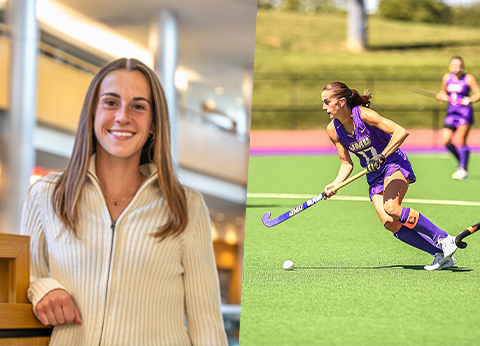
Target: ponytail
x,y
352,96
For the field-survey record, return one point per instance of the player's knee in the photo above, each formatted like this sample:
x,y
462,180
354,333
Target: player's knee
x,y
393,210
447,140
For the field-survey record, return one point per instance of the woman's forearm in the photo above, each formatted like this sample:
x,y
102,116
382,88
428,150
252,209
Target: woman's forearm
x,y
343,173
398,137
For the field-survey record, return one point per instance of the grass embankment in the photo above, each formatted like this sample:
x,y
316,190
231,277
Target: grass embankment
x,y
312,48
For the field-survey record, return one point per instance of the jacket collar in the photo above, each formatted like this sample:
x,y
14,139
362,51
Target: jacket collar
x,y
147,169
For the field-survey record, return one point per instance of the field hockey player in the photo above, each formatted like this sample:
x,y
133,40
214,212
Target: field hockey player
x,y
457,86
376,141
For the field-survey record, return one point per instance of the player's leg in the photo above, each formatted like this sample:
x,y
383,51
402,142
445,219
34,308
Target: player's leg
x,y
464,152
447,134
388,222
396,187
392,224
403,233
394,190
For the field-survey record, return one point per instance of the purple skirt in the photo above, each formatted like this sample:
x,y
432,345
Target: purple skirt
x,y
457,120
376,185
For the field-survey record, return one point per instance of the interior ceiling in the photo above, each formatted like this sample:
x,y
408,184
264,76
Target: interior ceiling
x,y
217,37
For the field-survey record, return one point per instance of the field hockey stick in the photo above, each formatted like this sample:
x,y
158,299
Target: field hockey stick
x,y
306,204
424,92
465,233
433,95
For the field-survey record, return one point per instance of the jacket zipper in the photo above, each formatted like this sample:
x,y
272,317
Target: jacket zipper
x,y
112,227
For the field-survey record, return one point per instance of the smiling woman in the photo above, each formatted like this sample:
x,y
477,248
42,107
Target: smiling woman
x,y
121,251
123,115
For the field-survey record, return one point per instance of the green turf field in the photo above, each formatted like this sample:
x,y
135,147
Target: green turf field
x,y
353,282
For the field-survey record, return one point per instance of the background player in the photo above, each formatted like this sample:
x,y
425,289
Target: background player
x,y
459,117
376,141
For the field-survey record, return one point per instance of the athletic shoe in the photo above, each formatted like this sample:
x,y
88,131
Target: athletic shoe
x,y
451,262
440,262
456,172
460,174
448,245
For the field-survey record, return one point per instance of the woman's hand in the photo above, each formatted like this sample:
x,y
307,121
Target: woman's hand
x,y
375,162
329,190
466,101
57,307
441,97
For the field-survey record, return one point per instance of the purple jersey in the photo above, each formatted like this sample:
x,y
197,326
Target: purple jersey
x,y
458,89
368,141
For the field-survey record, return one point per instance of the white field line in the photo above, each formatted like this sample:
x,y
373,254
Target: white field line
x,y
362,199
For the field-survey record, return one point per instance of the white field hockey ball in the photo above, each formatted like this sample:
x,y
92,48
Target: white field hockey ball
x,y
288,265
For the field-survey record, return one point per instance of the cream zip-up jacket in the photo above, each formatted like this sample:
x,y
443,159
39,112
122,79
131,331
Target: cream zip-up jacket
x,y
130,289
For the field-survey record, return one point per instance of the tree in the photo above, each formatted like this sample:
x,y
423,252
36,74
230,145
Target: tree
x,y
426,11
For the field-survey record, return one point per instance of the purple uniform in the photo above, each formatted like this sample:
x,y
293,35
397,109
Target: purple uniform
x,y
368,141
458,114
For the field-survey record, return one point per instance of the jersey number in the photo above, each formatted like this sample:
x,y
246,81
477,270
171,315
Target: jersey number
x,y
364,153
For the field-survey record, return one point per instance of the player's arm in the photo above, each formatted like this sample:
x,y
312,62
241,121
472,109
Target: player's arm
x,y
473,85
346,165
399,134
443,95
52,304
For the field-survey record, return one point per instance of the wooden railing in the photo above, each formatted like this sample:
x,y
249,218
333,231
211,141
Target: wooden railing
x,y
18,324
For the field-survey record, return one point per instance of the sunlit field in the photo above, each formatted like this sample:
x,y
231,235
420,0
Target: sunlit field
x,y
353,282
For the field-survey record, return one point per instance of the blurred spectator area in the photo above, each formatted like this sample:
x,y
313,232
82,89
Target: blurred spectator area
x,y
293,102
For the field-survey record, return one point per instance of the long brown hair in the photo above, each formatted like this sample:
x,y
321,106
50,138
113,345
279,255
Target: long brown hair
x,y
67,190
352,96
